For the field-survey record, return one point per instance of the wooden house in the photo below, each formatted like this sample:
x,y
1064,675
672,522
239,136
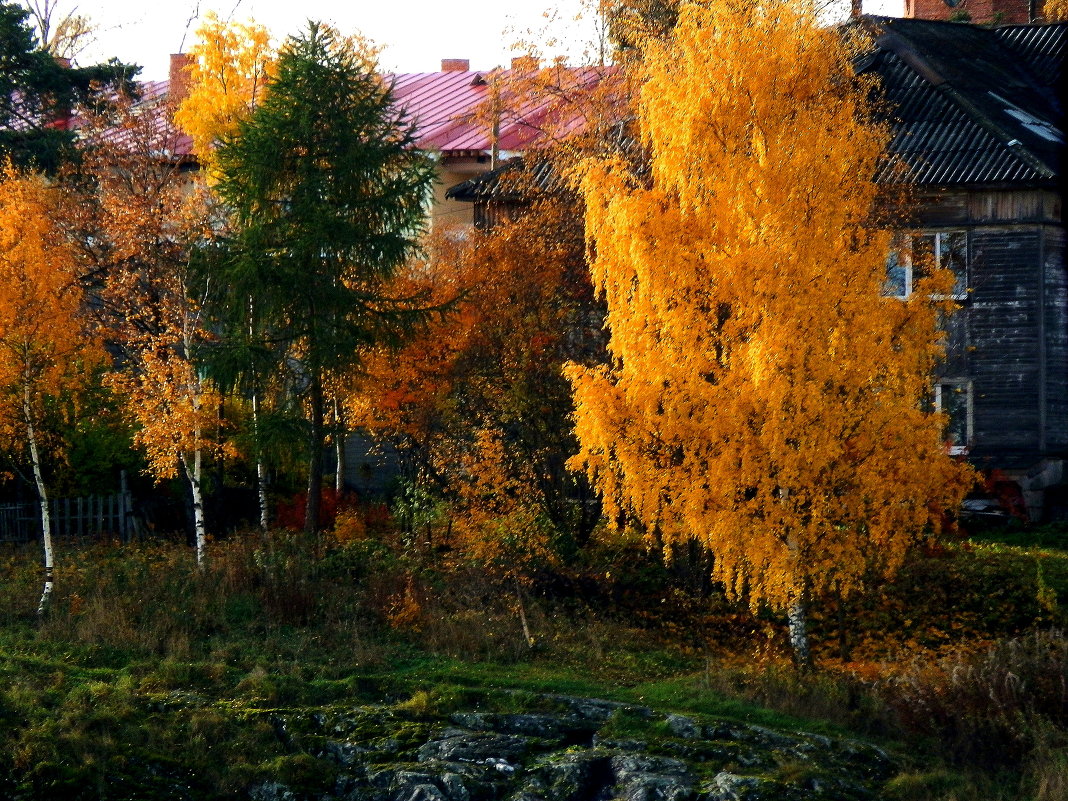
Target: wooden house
x,y
978,129
978,137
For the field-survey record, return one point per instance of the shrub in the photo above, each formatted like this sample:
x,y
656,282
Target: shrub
x,y
994,708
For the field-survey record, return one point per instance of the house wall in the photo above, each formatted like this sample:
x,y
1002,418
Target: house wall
x,y
1055,338
452,171
1010,337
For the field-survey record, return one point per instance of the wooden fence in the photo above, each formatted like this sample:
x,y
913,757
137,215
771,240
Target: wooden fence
x,y
91,516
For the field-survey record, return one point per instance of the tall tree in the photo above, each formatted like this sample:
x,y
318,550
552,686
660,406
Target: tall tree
x,y
231,64
764,397
329,196
141,225
37,93
43,342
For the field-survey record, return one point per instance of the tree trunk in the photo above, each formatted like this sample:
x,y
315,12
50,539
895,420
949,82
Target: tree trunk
x,y
261,468
315,468
844,651
799,634
42,495
193,475
339,446
523,615
795,615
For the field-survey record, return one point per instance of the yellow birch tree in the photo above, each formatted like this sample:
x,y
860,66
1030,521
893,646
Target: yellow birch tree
x,y
142,221
764,396
43,344
231,65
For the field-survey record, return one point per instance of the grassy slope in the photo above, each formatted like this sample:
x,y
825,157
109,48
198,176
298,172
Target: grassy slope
x,y
142,658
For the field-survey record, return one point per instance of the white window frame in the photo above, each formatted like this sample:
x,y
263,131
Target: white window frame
x,y
904,245
957,449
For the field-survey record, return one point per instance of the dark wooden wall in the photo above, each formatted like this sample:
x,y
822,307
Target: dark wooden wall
x,y
1010,337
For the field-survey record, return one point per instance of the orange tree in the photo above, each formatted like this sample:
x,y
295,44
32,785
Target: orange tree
x,y
478,399
140,224
43,344
763,397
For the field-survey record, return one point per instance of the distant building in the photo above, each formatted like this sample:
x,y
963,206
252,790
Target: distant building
x,y
979,129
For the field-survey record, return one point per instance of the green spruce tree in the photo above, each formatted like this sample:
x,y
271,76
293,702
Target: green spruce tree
x,y
38,92
328,194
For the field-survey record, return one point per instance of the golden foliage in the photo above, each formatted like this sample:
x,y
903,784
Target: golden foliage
x,y
1055,10
175,409
43,341
232,63
763,395
144,218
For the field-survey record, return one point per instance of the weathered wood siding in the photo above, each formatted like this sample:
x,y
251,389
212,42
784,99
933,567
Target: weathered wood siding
x,y
1003,324
1011,336
1055,339
959,207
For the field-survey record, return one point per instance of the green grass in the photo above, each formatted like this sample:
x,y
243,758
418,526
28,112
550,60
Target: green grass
x,y
141,648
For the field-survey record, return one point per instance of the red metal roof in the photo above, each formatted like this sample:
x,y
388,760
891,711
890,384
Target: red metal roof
x,y
445,109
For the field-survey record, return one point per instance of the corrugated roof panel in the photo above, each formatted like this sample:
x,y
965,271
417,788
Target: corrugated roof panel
x,y
1042,47
956,133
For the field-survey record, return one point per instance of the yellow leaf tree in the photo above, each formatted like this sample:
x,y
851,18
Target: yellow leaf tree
x,y
763,396
231,65
43,344
142,222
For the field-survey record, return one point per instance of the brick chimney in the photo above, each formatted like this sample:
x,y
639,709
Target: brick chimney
x,y
455,65
179,76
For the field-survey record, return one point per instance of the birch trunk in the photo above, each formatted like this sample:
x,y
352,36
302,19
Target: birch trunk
x,y
795,615
42,494
339,447
799,633
193,475
261,468
315,467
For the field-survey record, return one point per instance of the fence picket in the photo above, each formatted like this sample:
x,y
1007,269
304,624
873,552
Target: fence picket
x,y
88,516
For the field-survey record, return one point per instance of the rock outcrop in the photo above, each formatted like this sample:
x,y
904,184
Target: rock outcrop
x,y
574,749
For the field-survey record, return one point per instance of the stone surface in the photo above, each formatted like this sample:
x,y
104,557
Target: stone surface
x,y
581,749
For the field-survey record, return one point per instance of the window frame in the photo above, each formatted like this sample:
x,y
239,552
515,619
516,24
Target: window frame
x,y
904,246
961,449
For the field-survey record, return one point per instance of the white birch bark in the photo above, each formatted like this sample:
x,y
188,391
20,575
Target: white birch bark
x,y
261,468
339,447
42,494
193,475
796,618
795,615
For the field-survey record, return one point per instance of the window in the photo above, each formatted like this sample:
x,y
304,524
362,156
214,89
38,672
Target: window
x,y
953,397
912,256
